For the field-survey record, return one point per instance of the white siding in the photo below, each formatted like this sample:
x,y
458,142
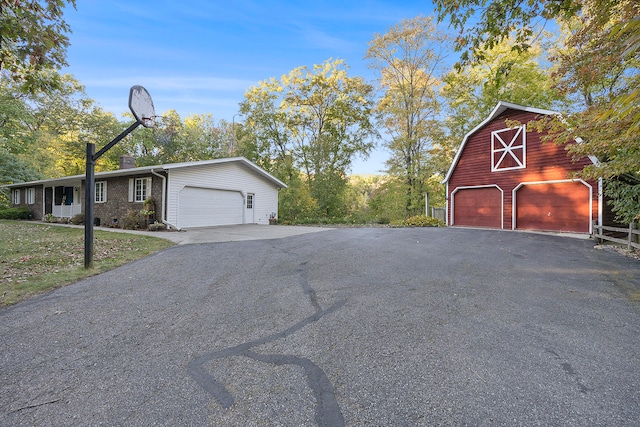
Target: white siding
x,y
224,176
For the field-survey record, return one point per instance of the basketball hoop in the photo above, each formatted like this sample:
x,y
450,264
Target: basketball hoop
x,y
141,106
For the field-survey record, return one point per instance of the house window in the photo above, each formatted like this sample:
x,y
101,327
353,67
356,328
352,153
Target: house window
x,y
30,195
508,149
101,192
139,189
249,201
15,196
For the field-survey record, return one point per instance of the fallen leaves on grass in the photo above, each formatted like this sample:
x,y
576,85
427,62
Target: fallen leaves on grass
x,y
35,258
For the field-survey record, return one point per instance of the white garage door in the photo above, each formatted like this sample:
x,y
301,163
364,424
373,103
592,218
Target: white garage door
x,y
203,207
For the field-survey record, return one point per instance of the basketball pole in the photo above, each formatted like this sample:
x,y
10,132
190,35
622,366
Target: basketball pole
x,y
90,191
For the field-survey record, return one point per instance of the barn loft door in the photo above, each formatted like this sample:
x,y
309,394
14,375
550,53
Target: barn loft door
x,y
508,149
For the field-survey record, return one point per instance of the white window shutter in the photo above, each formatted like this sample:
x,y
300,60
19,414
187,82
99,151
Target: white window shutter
x,y
131,189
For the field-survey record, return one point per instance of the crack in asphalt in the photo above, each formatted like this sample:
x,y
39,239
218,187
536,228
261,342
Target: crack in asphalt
x,y
328,411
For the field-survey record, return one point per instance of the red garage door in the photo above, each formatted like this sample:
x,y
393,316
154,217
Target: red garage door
x,y
478,207
561,206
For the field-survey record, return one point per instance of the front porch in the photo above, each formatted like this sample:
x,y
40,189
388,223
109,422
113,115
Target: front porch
x,y
63,201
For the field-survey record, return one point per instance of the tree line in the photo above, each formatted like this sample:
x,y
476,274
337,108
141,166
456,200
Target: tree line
x,y
308,126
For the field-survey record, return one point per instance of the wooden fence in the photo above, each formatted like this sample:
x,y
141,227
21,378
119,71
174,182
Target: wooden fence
x,y
615,234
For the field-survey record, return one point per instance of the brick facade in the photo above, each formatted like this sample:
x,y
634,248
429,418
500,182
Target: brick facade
x,y
34,208
118,204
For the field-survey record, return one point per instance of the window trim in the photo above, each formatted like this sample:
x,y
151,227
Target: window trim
x,y
30,196
102,193
15,196
133,185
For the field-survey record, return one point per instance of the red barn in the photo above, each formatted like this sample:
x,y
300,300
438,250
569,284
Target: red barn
x,y
505,177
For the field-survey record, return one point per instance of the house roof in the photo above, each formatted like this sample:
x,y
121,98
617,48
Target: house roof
x,y
497,110
147,169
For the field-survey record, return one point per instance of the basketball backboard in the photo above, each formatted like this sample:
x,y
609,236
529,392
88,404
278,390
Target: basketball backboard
x,y
141,106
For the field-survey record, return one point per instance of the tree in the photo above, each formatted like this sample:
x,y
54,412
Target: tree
x,y
315,121
502,75
497,20
408,58
34,42
48,131
174,140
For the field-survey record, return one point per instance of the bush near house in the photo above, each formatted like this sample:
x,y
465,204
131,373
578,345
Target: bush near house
x,y
15,213
133,220
422,221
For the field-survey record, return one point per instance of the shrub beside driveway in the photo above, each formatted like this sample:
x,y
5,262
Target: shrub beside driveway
x,y
35,258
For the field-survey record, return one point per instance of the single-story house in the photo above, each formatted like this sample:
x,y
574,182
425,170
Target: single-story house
x,y
504,177
191,194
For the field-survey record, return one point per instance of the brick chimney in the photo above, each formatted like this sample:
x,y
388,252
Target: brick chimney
x,y
127,162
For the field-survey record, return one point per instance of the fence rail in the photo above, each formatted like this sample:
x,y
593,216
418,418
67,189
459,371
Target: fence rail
x,y
631,240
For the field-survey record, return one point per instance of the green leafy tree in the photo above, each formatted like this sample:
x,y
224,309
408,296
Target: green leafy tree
x,y
387,200
502,75
409,58
174,140
48,131
314,121
33,42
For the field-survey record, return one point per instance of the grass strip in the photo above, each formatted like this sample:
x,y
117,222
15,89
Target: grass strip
x,y
36,258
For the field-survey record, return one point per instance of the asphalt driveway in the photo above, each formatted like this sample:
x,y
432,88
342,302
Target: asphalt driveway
x,y
341,327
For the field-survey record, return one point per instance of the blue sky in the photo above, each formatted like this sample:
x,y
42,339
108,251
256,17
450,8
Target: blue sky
x,y
199,57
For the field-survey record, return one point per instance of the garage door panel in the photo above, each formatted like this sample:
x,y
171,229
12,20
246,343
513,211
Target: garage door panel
x,y
204,207
554,207
478,207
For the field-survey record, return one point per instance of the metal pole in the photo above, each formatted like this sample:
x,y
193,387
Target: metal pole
x,y
426,204
89,197
90,191
117,139
233,130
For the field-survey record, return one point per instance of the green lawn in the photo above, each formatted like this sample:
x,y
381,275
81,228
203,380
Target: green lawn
x,y
35,258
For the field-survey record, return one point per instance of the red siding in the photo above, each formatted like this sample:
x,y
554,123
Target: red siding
x,y
544,162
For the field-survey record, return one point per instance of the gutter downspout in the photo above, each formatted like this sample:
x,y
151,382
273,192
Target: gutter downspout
x,y
164,197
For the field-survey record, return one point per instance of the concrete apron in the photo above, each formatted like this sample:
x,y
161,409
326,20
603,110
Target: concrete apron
x,y
223,233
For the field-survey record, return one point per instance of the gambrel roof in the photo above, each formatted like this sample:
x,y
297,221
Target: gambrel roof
x,y
499,109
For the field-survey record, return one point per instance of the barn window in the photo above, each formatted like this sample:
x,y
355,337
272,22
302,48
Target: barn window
x,y
249,201
508,149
